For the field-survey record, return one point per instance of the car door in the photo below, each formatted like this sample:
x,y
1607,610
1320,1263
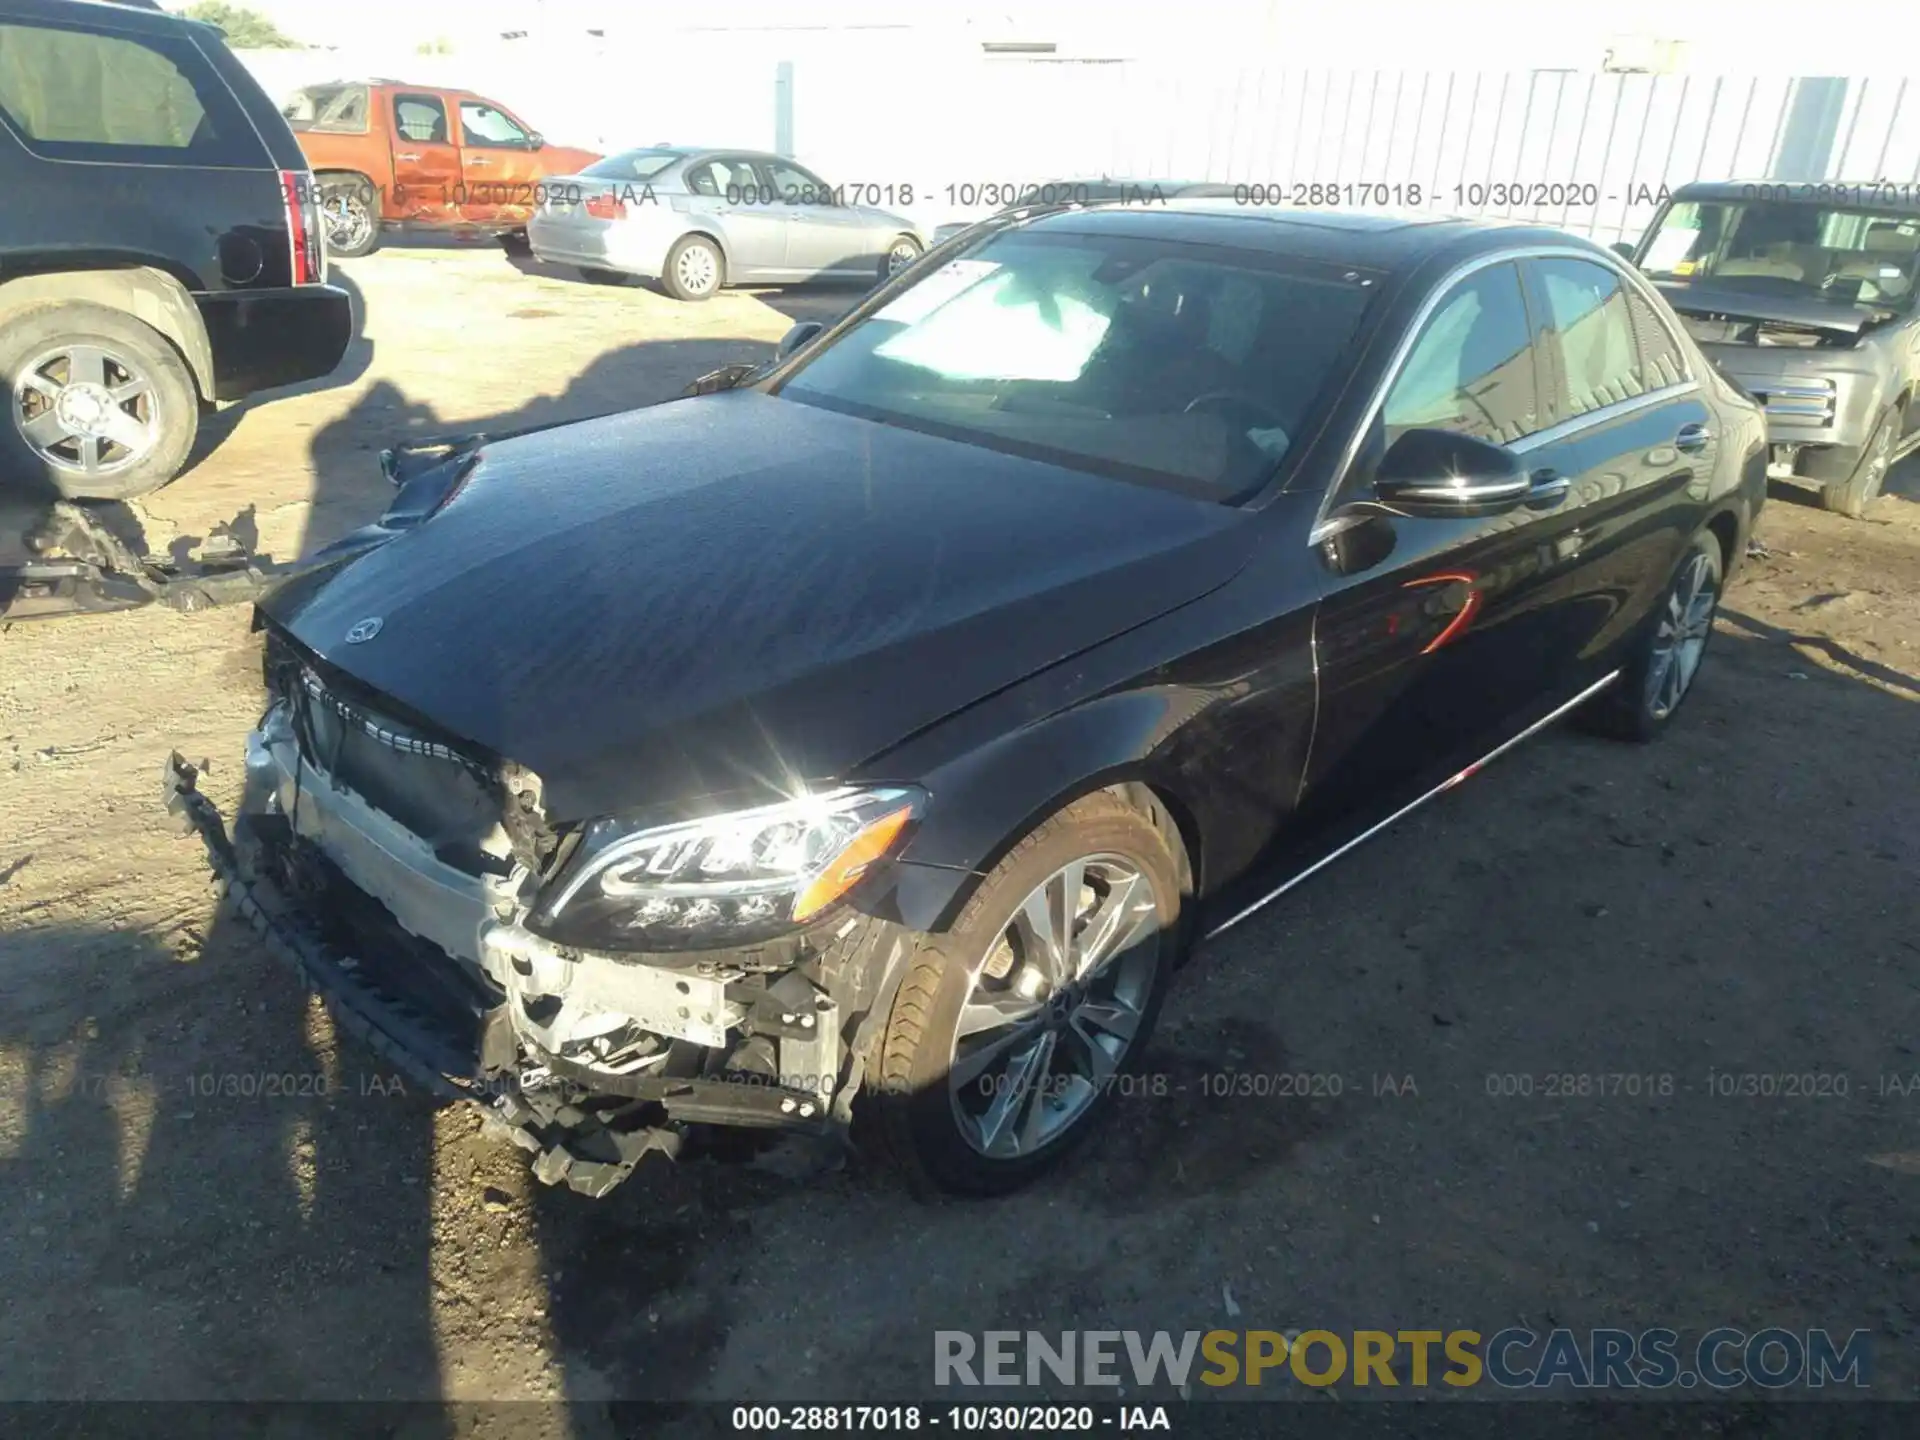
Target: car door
x,y
498,163
427,182
727,195
1643,447
1429,643
823,236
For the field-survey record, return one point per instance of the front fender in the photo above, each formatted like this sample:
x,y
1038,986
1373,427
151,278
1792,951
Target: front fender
x,y
987,799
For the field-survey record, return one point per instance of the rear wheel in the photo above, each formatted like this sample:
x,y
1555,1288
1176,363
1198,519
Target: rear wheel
x,y
1660,677
694,269
1851,496
900,254
98,405
350,213
1010,1033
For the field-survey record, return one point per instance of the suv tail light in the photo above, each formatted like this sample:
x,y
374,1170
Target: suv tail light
x,y
307,250
606,207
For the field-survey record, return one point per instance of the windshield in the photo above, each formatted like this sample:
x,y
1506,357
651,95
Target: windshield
x,y
1855,256
1198,366
632,165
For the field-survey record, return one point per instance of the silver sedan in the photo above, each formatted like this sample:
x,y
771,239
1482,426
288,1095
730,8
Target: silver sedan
x,y
698,219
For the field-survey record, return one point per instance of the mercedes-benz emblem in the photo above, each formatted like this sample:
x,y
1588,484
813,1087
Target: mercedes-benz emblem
x,y
362,631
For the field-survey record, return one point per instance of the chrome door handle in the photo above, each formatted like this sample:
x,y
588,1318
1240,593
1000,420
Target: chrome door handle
x,y
1692,438
1548,489
478,160
406,157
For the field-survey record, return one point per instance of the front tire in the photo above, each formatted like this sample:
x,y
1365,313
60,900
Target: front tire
x,y
1660,676
350,213
1011,1031
99,406
1852,496
694,269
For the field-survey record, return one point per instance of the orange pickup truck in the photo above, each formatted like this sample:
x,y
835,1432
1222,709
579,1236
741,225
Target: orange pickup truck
x,y
385,154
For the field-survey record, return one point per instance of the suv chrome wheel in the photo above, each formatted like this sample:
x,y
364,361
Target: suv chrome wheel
x,y
87,409
349,221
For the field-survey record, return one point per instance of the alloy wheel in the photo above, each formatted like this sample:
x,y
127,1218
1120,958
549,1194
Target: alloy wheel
x,y
1054,1006
900,256
1681,636
87,408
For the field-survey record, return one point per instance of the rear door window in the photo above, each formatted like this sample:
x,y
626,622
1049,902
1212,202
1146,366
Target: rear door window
x,y
70,94
421,119
728,178
1590,332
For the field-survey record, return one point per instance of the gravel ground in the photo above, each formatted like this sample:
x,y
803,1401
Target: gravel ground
x,y
1740,898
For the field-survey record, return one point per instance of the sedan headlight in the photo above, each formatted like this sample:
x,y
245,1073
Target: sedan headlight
x,y
729,880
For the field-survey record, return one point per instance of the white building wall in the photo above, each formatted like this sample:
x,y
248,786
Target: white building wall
x,y
882,103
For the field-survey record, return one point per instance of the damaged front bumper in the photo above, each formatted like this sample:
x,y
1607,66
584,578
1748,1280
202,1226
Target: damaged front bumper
x,y
78,566
589,1061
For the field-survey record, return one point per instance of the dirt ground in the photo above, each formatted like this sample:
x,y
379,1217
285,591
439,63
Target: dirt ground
x,y
1740,898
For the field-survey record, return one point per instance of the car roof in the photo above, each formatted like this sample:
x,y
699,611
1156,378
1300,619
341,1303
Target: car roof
x,y
1902,198
135,15
1374,239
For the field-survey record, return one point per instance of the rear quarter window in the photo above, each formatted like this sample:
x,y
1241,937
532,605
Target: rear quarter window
x,y
329,109
87,95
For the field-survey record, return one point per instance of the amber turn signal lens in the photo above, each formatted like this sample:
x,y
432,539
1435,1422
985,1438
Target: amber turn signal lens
x,y
850,864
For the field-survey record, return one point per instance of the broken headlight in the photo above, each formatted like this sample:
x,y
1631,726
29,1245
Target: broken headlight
x,y
729,880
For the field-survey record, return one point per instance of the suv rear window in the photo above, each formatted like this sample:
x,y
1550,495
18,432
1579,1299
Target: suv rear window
x,y
148,99
330,109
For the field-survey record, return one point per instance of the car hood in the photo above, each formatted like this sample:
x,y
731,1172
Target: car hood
x,y
728,593
1834,316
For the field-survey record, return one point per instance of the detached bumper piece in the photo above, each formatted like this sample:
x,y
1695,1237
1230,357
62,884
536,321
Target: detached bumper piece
x,y
584,1141
83,568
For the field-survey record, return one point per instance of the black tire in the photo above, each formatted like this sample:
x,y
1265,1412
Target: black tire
x,y
1852,496
1637,707
350,216
683,286
168,409
515,243
915,1111
902,251
595,276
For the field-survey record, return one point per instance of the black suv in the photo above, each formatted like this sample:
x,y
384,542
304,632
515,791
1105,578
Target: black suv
x,y
160,245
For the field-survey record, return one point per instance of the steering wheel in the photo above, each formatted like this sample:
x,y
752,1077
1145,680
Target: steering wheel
x,y
1232,399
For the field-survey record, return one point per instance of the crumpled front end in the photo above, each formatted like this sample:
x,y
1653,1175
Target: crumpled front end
x,y
396,872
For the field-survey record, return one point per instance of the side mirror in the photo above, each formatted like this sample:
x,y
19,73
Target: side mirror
x,y
536,141
1438,473
1623,248
796,337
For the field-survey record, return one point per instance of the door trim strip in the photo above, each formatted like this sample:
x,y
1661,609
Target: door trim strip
x,y
1467,774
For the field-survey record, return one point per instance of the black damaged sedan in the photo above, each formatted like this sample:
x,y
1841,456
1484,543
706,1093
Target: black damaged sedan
x,y
860,749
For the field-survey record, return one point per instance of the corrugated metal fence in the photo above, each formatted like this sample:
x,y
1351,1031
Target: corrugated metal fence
x,y
1580,150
